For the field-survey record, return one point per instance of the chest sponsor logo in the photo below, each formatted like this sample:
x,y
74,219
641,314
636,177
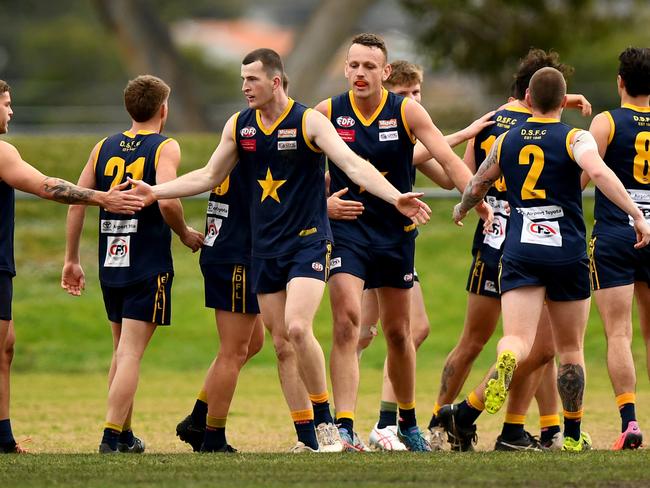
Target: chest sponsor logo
x,y
543,233
388,124
287,133
497,233
119,226
287,145
335,263
547,212
249,145
118,252
248,131
348,135
345,121
219,209
213,226
392,135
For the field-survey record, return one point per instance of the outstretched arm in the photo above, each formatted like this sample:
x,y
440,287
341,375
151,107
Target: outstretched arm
x,y
471,130
323,134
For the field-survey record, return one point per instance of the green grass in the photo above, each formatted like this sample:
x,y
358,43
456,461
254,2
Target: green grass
x,y
64,346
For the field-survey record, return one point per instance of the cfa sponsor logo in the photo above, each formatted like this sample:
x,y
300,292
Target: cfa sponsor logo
x,y
119,226
248,131
249,145
541,229
213,226
388,124
346,135
345,121
335,263
287,145
317,267
497,229
408,277
117,252
388,136
489,286
287,133
218,208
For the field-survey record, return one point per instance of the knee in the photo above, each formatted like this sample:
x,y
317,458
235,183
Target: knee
x,y
420,333
346,326
283,348
7,354
298,332
235,354
397,337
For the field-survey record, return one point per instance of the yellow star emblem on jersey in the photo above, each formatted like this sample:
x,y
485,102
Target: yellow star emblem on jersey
x,y
270,186
363,188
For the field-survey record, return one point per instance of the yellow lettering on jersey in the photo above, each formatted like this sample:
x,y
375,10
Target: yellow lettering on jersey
x,y
642,158
222,189
115,167
363,188
270,186
534,153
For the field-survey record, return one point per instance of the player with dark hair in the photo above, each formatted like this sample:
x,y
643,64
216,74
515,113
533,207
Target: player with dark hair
x,y
135,261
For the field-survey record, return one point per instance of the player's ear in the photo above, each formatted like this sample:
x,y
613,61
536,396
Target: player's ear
x,y
527,98
386,72
620,83
564,101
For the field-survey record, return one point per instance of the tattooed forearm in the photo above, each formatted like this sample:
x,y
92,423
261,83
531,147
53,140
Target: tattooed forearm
x,y
484,178
571,386
65,192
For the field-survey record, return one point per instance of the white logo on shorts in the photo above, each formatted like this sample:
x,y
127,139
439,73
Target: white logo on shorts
x,y
317,267
489,286
335,263
408,277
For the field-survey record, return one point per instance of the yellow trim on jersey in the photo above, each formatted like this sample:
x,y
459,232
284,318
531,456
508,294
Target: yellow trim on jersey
x,y
568,142
130,134
234,127
155,161
99,148
544,120
329,108
636,107
517,108
409,228
612,127
304,133
406,125
307,232
357,112
283,115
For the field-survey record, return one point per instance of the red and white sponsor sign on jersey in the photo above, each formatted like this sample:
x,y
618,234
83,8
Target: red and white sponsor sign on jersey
x,y
249,145
248,131
345,121
347,135
118,252
287,133
212,231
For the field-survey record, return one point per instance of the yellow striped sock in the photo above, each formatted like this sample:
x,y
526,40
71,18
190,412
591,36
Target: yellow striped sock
x,y
546,421
345,415
515,418
302,415
215,422
573,415
624,398
320,397
115,427
203,396
436,409
406,406
475,402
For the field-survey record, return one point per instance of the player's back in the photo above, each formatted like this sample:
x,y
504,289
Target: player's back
x,y
628,155
131,247
386,141
543,180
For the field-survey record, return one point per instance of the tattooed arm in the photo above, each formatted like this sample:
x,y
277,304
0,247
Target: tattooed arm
x,y
478,186
22,176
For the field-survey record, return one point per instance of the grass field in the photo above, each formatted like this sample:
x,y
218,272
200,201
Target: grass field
x,y
63,349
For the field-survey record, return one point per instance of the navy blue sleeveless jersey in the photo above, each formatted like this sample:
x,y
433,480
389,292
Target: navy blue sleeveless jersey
x,y
286,174
546,223
131,247
628,155
491,245
386,141
7,213
227,226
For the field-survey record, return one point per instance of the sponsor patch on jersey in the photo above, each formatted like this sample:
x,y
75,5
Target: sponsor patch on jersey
x,y
499,206
346,135
490,286
392,135
248,131
249,145
388,124
543,233
345,121
408,277
547,212
213,226
287,145
317,267
335,263
287,133
118,252
217,208
497,233
119,226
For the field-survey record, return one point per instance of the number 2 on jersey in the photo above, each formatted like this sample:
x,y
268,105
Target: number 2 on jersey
x,y
486,145
116,167
528,190
642,158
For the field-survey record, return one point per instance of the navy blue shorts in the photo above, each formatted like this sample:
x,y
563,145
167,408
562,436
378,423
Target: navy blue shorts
x,y
149,300
227,287
271,275
6,294
378,268
483,278
565,282
615,262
